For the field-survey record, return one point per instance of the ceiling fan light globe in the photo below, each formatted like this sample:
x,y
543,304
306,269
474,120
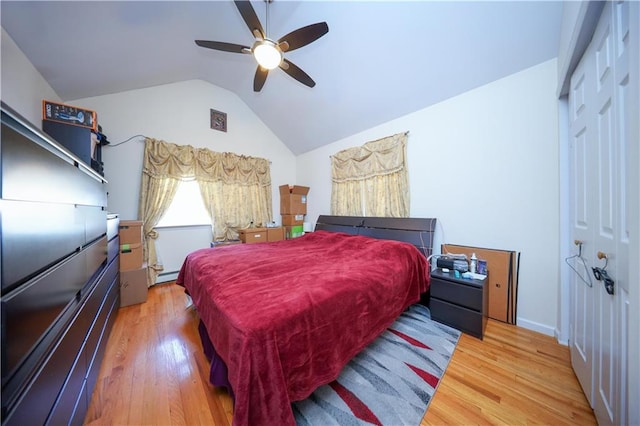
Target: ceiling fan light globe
x,y
267,54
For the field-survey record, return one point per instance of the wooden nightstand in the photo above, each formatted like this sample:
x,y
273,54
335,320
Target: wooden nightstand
x,y
459,302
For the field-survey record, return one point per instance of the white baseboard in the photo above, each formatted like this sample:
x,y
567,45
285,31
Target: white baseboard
x,y
562,340
166,277
534,326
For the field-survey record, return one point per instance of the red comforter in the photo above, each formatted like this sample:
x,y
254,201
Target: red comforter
x,y
287,316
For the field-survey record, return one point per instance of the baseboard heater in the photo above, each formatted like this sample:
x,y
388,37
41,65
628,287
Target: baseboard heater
x,y
165,277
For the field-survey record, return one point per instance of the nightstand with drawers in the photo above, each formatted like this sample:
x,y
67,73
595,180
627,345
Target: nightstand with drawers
x,y
461,303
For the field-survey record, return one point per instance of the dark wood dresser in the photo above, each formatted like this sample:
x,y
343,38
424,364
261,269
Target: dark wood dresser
x,y
461,303
59,274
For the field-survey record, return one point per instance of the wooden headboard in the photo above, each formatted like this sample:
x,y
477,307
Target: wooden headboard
x,y
416,231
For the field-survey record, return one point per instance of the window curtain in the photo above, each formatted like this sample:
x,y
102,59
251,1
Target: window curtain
x,y
371,180
236,190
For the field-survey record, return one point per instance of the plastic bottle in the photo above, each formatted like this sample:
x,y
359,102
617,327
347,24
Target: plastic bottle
x,y
474,262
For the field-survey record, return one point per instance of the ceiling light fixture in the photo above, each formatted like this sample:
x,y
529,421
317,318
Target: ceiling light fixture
x,y
267,53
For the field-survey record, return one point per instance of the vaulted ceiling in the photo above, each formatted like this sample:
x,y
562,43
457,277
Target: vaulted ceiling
x,y
379,61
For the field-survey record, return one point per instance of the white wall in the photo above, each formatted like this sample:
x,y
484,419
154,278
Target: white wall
x,y
22,87
179,113
484,163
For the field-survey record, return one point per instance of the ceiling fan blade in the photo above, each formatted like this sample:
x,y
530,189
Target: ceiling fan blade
x,y
225,47
295,72
260,78
250,18
303,36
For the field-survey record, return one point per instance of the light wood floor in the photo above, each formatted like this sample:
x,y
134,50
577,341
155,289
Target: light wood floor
x,y
154,373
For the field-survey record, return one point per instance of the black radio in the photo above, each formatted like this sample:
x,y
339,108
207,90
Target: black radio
x,y
452,264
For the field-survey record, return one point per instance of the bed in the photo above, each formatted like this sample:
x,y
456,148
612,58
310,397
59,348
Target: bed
x,y
280,319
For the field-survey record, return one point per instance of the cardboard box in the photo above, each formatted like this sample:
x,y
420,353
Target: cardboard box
x,y
275,234
292,219
253,235
133,286
69,114
293,231
293,199
130,231
502,284
131,256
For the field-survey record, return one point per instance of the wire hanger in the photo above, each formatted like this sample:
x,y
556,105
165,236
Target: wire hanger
x,y
578,256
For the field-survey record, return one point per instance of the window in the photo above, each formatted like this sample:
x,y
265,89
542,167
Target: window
x,y
371,180
186,208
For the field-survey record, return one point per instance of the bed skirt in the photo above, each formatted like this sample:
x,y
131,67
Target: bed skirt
x,y
218,371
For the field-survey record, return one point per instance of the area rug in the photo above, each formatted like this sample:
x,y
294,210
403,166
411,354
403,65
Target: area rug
x,y
390,382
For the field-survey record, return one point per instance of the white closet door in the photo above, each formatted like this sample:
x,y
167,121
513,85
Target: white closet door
x,y
600,123
582,220
606,149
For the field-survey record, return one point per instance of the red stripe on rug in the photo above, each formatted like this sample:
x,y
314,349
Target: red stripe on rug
x,y
359,409
425,375
409,339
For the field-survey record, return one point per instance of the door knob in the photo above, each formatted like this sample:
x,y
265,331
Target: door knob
x,y
602,275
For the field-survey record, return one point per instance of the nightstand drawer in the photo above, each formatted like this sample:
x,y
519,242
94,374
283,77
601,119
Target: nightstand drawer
x,y
463,319
460,294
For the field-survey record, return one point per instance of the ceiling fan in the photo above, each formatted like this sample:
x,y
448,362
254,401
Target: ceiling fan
x,y
270,53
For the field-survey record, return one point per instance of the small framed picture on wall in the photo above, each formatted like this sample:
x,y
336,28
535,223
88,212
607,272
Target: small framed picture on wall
x,y
218,120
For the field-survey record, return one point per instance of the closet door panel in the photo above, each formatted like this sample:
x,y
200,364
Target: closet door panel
x,y
582,222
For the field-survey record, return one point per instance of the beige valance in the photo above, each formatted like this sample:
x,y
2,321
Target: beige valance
x,y
236,190
165,159
380,157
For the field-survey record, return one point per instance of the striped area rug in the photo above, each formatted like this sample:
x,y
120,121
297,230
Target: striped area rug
x,y
390,382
